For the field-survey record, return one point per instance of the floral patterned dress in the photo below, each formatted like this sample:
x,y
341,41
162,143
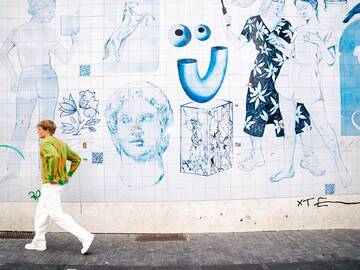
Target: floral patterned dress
x,y
262,100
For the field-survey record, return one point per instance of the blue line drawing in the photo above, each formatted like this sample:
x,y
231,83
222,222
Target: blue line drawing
x,y
311,46
179,35
206,137
35,42
13,148
138,118
134,43
131,20
85,111
203,89
349,49
202,32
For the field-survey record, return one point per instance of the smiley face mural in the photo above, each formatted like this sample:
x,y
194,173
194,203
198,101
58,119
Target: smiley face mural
x,y
197,88
206,129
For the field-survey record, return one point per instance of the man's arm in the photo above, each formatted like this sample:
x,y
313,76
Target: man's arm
x,y
48,154
75,161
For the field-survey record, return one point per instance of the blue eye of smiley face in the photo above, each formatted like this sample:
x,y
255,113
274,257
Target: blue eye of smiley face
x,y
179,35
202,32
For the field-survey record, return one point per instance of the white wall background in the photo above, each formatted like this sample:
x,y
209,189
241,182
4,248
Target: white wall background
x,y
180,202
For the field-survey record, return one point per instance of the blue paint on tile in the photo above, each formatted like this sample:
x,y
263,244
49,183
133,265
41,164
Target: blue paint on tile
x,y
85,70
97,157
350,78
329,189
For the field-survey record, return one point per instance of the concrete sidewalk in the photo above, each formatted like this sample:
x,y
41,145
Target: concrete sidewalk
x,y
287,250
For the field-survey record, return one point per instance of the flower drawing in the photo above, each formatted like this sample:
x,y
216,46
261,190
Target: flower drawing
x,y
82,115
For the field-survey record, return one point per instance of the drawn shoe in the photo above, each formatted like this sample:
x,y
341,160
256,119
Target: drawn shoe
x,y
36,245
312,164
87,243
252,161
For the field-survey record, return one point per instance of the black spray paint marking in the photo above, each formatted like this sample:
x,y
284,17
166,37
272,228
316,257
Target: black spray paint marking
x,y
300,203
322,202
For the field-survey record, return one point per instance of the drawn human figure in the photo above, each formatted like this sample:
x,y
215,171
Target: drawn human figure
x,y
35,42
138,118
349,49
262,101
312,45
131,20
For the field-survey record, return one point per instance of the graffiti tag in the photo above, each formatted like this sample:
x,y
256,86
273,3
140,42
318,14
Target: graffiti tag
x,y
321,202
35,195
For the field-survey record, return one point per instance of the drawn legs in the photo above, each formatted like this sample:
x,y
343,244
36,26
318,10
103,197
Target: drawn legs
x,y
24,111
118,52
288,110
47,108
328,136
35,84
309,161
255,158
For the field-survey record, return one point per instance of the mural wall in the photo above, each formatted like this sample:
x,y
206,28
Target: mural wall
x,y
183,100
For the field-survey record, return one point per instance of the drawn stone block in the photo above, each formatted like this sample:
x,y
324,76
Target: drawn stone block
x,y
206,137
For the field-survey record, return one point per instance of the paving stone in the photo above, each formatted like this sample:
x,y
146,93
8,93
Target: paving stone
x,y
288,250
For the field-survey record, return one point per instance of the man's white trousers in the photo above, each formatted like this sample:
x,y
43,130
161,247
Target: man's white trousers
x,y
49,207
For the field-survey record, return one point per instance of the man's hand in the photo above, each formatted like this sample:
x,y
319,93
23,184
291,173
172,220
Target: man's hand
x,y
67,178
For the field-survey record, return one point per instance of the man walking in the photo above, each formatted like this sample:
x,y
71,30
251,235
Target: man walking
x,y
54,153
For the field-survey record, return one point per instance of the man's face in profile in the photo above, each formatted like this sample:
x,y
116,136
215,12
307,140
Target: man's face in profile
x,y
138,129
42,133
